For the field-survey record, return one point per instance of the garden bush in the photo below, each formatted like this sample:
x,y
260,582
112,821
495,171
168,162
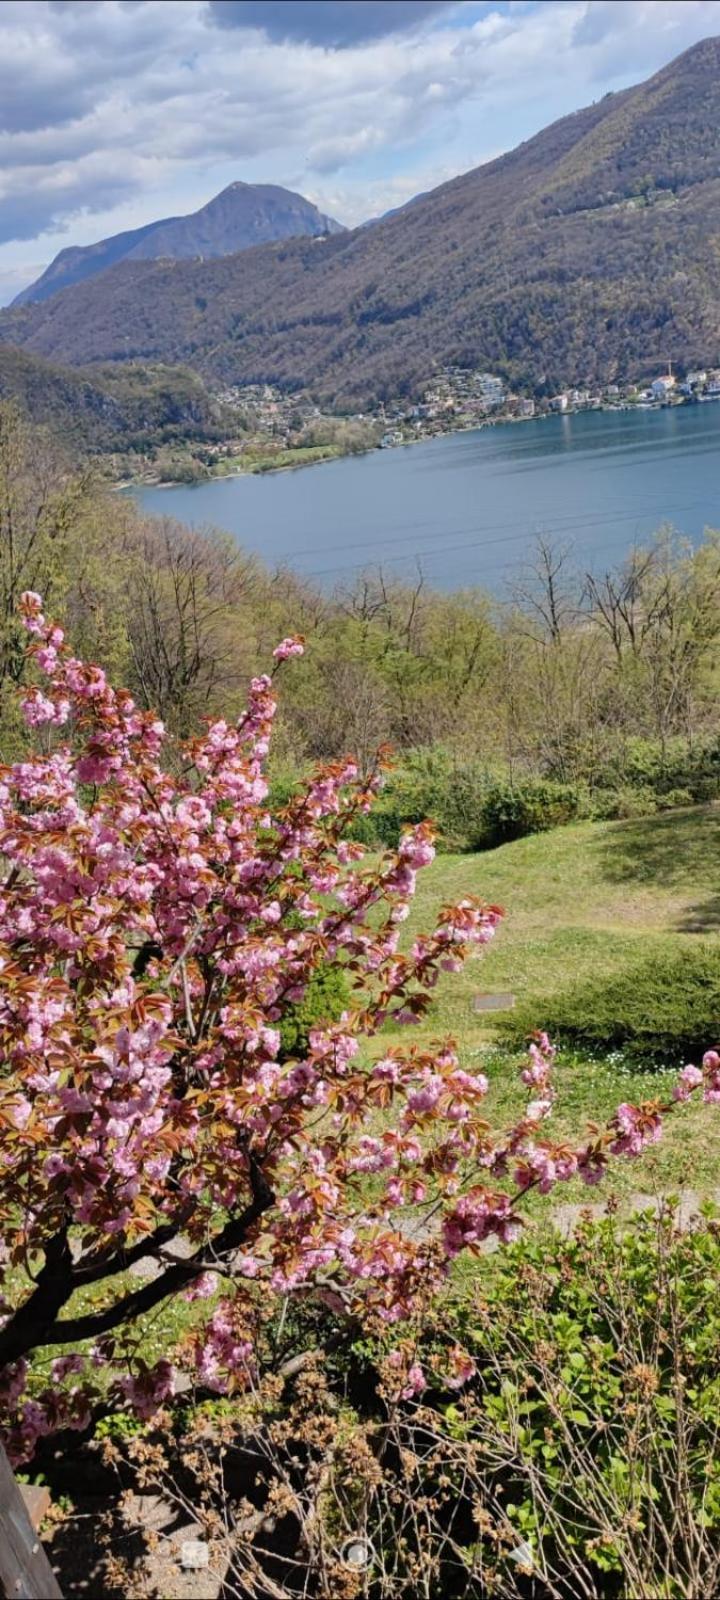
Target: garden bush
x,y
512,810
550,1429
646,764
676,800
664,1008
622,804
430,784
593,1416
326,997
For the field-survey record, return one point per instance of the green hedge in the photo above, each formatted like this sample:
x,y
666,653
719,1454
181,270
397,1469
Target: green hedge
x,y
664,1009
474,808
326,997
647,765
510,811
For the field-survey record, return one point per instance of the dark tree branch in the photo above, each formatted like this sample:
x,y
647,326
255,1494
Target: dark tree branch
x,y
53,1288
36,1322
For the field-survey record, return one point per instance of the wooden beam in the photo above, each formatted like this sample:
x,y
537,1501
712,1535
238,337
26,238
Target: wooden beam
x,y
25,1572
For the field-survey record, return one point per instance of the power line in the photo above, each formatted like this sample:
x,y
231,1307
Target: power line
x,y
589,524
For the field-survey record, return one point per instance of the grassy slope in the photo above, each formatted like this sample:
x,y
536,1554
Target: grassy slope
x,y
579,902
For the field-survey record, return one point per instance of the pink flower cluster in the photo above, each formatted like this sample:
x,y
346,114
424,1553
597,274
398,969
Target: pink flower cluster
x,y
155,931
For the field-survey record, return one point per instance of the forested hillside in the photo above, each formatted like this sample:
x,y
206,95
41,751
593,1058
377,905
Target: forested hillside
x,y
111,408
590,251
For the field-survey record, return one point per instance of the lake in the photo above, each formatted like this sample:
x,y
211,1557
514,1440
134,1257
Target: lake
x,y
466,508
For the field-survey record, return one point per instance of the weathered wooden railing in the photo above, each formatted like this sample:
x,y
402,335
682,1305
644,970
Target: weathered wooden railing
x,y
25,1572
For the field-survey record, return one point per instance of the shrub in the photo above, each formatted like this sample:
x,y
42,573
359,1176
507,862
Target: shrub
x,y
326,997
552,1430
510,811
645,764
676,799
593,1425
622,804
430,783
666,1008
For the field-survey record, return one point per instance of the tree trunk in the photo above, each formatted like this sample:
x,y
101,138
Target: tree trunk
x,y
25,1572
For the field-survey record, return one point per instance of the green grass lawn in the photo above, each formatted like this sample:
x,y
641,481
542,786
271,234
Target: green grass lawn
x,y
257,460
582,902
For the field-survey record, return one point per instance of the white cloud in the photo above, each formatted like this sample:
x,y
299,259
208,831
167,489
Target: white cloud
x,y
114,113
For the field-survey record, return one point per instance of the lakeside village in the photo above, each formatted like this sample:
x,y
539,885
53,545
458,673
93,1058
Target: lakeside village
x,y
461,399
269,430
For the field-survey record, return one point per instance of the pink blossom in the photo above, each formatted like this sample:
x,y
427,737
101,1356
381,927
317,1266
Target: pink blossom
x,y
637,1127
415,1382
293,646
477,1216
146,1391
688,1079
462,1368
63,1365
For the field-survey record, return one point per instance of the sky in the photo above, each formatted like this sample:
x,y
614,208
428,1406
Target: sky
x,y
116,112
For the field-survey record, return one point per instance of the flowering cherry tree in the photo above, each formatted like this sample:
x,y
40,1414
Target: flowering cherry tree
x,y
154,931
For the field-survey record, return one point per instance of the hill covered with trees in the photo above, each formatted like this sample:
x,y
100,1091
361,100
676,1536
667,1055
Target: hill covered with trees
x,y
111,408
589,251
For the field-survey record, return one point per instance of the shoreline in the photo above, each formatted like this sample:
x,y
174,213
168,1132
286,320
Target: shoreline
x,y
263,468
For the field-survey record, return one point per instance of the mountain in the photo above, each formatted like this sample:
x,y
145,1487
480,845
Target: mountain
x,y
590,251
244,214
118,408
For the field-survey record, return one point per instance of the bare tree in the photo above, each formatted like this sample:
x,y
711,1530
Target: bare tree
x,y
185,595
547,590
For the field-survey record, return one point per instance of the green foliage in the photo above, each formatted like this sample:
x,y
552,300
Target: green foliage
x,y
661,768
326,997
123,407
431,784
597,1395
623,803
676,800
532,805
664,1008
119,1425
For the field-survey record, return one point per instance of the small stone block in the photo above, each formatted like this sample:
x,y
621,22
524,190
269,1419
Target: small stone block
x,y
493,1002
37,1502
194,1555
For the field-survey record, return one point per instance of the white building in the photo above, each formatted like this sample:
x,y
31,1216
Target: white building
x,y
490,387
661,388
559,402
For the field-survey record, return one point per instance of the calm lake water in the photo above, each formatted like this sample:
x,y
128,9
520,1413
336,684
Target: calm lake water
x,y
467,507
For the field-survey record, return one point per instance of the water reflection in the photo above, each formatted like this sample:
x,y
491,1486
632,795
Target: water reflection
x,y
468,506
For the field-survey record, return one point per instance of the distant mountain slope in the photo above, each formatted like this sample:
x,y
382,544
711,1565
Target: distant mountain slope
x,y
244,214
114,408
590,251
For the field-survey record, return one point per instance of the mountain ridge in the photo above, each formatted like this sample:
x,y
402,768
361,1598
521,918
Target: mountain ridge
x,y
590,251
241,215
